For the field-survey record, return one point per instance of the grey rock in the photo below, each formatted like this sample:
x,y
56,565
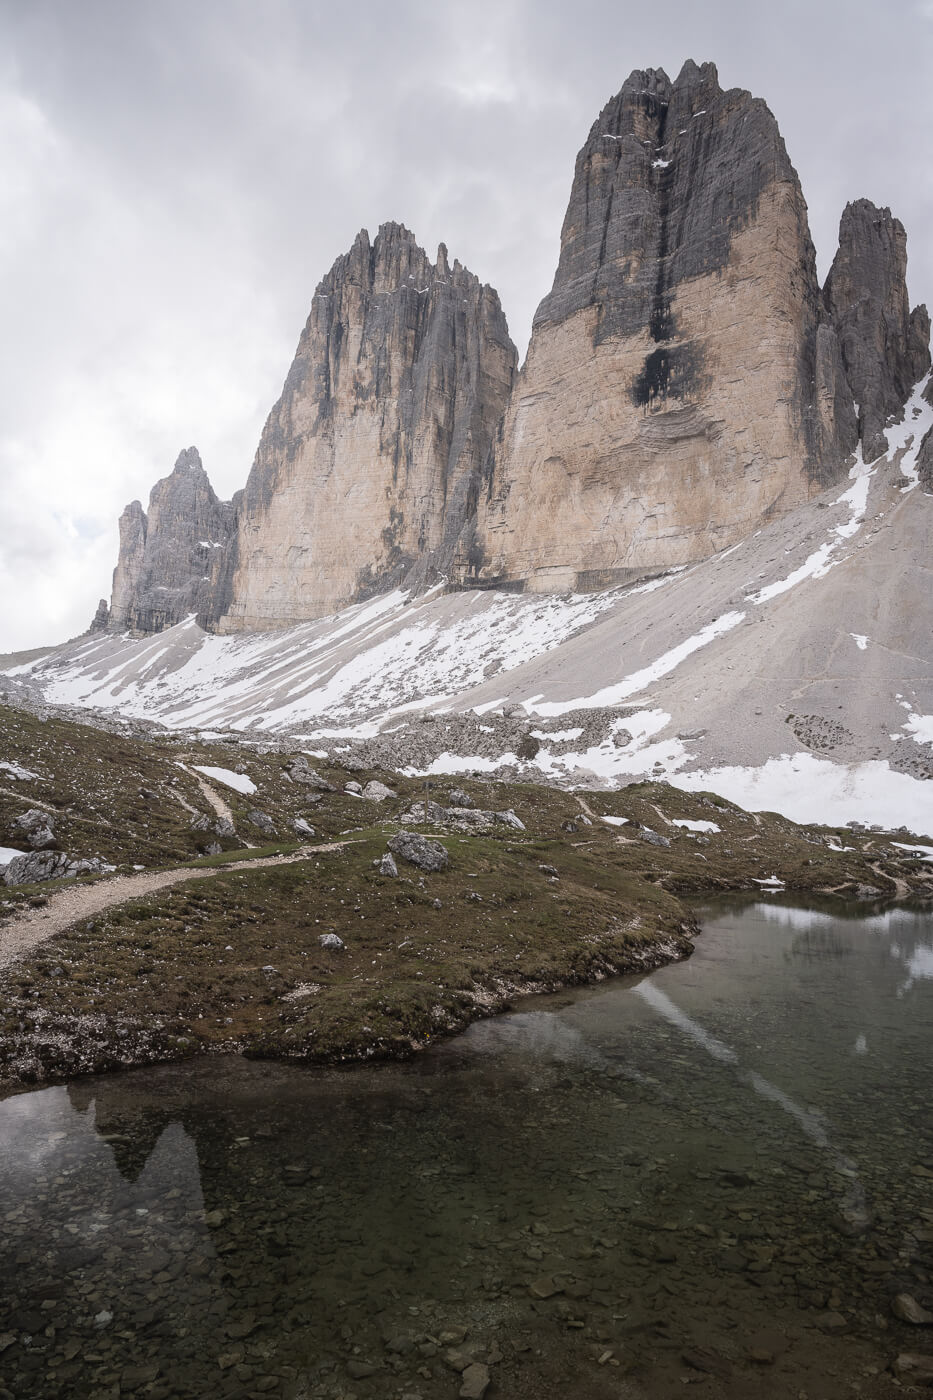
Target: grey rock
x,y
300,771
925,454
907,1309
475,1382
224,827
171,560
458,798
101,619
417,850
914,1368
387,866
653,838
422,349
358,1370
354,789
261,821
885,346
38,827
429,812
302,827
508,818
377,792
331,940
39,866
214,849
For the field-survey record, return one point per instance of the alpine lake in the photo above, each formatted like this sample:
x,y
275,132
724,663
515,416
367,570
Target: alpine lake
x,y
718,1176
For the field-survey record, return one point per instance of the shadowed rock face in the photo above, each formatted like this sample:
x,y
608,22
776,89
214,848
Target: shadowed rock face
x,y
679,387
885,346
366,470
172,560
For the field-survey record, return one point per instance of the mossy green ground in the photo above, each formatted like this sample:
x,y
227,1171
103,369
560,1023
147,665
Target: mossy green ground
x,y
234,961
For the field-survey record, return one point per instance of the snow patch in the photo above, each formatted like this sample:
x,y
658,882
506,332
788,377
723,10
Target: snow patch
x,y
238,781
809,789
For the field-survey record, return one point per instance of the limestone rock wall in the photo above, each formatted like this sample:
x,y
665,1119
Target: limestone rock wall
x,y
172,558
885,346
682,383
366,470
687,380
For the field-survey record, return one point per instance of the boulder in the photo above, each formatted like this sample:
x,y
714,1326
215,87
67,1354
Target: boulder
x,y
458,798
388,867
39,829
331,941
377,792
302,827
39,866
417,850
300,771
653,838
261,821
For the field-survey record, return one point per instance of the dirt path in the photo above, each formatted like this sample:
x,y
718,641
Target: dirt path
x,y
67,906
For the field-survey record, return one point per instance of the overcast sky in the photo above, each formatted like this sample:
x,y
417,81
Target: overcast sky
x,y
177,175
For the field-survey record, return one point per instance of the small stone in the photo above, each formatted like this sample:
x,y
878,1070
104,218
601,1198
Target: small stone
x,y
359,1370
453,1336
475,1382
909,1310
331,940
544,1287
914,1368
135,1377
831,1322
388,867
302,827
354,789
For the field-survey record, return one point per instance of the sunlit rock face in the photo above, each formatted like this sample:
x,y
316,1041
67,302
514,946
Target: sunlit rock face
x,y
368,464
686,383
682,384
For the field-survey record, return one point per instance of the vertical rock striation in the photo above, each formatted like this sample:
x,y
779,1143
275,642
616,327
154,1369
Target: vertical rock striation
x,y
687,379
366,469
172,559
885,346
681,384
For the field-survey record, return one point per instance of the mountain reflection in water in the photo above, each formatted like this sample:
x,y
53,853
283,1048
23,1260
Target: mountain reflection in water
x,y
602,1195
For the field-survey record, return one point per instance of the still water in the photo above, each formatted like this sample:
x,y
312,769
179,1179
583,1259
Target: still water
x,y
719,1175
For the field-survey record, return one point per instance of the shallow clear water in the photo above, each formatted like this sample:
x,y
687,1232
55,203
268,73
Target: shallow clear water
x,y
720,1174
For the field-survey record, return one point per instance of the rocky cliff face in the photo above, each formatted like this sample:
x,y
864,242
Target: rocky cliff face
x,y
367,465
173,559
686,382
682,382
885,346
